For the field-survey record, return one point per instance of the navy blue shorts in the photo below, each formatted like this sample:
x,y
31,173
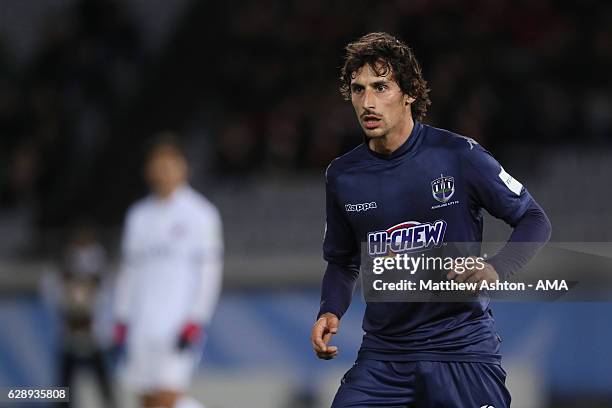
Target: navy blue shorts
x,y
423,384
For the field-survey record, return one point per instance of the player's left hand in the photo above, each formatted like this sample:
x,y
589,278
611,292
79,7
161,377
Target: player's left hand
x,y
475,275
191,334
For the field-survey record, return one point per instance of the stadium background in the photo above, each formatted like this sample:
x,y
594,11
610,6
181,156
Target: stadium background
x,y
252,88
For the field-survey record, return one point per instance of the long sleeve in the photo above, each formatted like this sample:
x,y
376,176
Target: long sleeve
x,y
342,254
529,235
207,259
493,189
126,276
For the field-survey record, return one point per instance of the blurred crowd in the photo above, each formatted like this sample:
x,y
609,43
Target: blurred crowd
x,y
56,112
502,72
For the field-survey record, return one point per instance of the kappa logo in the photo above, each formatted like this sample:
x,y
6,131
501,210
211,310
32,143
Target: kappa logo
x,y
443,188
487,406
471,142
360,207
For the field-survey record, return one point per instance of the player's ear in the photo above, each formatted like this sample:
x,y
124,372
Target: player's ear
x,y
408,99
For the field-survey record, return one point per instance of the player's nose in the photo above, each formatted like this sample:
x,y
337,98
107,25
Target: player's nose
x,y
369,99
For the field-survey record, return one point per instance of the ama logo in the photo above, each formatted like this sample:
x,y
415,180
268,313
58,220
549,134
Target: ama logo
x,y
407,237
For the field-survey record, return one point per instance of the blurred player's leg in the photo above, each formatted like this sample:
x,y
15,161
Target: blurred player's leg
x,y
188,402
104,380
161,399
158,372
169,399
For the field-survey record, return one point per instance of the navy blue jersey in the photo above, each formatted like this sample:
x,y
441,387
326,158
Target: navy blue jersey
x,y
439,181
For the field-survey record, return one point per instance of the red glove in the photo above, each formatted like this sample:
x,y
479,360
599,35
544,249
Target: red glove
x,y
119,334
191,334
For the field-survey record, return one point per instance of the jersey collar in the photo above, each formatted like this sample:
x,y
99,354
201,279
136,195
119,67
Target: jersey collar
x,y
408,146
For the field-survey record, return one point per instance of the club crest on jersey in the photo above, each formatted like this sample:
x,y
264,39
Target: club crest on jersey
x,y
443,188
406,237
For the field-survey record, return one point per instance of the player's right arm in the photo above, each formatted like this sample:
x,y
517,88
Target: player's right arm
x,y
342,255
324,328
125,281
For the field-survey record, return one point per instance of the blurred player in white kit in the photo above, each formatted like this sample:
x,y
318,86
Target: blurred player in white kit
x,y
169,281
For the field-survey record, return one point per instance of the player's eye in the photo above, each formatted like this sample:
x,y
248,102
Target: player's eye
x,y
357,89
381,87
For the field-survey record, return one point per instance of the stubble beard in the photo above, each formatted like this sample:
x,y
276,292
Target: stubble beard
x,y
375,134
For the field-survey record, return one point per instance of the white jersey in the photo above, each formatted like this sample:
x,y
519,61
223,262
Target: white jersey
x,y
171,268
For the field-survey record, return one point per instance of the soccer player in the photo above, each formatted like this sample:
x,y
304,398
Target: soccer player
x,y
426,354
170,280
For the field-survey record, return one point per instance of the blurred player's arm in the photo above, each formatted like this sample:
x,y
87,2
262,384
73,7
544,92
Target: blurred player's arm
x,y
342,255
207,258
492,188
125,281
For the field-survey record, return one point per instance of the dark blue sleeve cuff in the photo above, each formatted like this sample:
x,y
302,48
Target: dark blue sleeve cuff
x,y
337,288
530,233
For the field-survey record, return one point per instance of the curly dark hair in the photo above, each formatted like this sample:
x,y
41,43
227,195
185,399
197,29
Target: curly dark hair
x,y
385,53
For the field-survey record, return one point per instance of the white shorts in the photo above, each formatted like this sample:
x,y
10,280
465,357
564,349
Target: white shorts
x,y
149,367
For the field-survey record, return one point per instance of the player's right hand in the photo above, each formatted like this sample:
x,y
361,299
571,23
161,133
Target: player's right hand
x,y
322,332
119,334
118,347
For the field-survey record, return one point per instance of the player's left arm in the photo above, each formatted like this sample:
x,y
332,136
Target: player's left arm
x,y
206,258
492,188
